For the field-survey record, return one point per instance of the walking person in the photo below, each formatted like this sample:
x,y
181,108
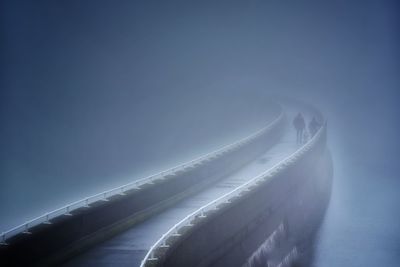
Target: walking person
x,y
299,124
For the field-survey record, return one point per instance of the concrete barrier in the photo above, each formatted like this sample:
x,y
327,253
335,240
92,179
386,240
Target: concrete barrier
x,y
293,199
66,235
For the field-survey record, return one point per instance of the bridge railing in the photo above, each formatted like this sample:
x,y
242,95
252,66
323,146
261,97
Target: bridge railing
x,y
151,256
103,196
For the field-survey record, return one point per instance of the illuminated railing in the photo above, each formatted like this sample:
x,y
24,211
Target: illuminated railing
x,y
103,196
151,256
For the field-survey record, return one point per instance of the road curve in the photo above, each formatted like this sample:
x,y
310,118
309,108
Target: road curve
x,y
129,247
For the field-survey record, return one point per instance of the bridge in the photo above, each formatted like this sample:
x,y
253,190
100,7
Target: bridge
x,y
257,200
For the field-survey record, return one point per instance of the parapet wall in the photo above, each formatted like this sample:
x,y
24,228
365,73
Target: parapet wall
x,y
61,237
290,201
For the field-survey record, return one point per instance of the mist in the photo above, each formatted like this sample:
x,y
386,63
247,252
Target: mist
x,y
95,94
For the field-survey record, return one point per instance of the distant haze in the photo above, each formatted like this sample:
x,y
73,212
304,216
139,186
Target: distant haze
x,y
90,88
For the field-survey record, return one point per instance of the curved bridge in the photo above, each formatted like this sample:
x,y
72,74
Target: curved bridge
x,y
259,199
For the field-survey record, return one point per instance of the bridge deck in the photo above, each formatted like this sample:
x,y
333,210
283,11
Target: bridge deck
x,y
130,247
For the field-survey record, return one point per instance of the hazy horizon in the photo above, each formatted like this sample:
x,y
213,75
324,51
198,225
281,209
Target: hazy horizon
x,y
80,80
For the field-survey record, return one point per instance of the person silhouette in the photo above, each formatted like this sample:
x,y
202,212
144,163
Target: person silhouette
x,y
313,126
299,124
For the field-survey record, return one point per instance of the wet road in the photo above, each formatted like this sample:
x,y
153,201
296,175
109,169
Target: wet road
x,y
130,247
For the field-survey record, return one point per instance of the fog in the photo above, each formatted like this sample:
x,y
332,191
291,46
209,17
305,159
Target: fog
x,y
97,93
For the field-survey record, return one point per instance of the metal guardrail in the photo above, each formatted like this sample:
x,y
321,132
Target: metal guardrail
x,y
103,196
226,198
